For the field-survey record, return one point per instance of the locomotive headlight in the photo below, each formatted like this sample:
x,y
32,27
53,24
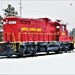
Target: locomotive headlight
x,y
57,27
4,23
12,22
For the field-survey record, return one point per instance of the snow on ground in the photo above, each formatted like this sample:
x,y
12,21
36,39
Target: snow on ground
x,y
48,64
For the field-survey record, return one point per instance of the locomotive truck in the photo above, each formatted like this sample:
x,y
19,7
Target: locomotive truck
x,y
28,36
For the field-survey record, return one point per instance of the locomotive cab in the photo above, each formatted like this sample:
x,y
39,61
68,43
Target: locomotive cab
x,y
10,27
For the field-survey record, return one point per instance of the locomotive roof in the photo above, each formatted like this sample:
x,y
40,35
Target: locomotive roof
x,y
45,19
36,19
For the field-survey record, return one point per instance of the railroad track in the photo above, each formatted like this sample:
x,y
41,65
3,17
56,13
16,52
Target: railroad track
x,y
38,55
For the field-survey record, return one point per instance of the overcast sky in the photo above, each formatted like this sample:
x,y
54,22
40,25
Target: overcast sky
x,y
53,9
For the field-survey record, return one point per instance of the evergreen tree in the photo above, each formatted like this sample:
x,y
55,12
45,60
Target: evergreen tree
x,y
10,11
1,27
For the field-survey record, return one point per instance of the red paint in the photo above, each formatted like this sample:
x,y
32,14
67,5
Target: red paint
x,y
35,30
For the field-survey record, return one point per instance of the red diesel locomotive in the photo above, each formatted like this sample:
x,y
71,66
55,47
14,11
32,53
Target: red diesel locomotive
x,y
29,36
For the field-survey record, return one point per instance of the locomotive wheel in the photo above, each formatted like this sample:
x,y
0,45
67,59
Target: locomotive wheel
x,y
19,55
57,51
65,51
47,52
9,56
32,53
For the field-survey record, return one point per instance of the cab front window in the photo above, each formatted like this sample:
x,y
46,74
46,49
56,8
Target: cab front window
x,y
63,28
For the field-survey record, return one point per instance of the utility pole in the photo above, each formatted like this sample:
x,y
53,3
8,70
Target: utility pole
x,y
20,9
